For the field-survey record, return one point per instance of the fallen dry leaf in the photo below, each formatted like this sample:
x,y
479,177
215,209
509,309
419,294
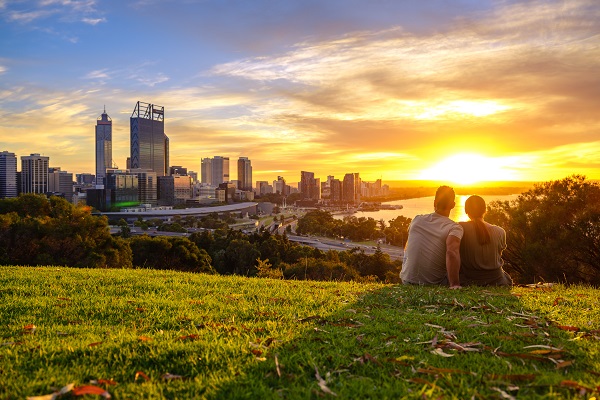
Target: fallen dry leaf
x,y
322,383
143,375
564,364
52,396
568,328
107,382
88,389
169,376
440,352
94,344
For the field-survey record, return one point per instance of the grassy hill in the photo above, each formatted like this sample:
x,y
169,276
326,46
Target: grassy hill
x,y
161,334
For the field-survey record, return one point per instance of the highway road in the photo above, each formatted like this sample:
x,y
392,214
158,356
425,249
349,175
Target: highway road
x,y
325,244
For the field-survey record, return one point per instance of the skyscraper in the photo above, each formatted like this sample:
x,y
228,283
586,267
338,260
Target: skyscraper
x,y
103,147
351,188
149,144
8,175
244,173
206,171
310,187
34,173
220,170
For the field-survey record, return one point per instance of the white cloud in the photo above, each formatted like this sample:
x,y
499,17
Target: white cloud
x,y
3,69
152,81
97,74
93,21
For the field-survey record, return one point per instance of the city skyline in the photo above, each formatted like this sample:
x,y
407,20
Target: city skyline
x,y
463,90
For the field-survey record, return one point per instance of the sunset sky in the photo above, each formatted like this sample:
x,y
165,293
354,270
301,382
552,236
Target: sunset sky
x,y
461,90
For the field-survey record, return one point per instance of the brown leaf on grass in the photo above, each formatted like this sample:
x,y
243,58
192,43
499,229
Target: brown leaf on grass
x,y
268,342
140,309
145,338
557,301
94,344
256,352
169,376
503,394
422,382
277,366
322,383
106,382
141,374
29,329
564,364
193,336
568,328
440,352
313,317
89,389
513,377
196,302
576,385
64,390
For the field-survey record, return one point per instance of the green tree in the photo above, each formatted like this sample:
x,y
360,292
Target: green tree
x,y
41,231
553,231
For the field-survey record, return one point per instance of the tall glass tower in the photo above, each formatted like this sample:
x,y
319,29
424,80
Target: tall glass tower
x,y
245,173
8,175
149,144
103,147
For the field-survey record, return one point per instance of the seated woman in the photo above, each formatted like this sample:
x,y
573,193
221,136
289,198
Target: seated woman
x,y
481,249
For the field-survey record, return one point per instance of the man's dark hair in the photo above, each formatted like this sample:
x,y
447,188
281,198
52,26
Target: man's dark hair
x,y
444,197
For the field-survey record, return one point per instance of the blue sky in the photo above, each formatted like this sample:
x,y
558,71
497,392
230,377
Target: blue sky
x,y
386,88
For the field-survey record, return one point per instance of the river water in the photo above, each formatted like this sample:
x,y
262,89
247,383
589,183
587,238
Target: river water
x,y
424,205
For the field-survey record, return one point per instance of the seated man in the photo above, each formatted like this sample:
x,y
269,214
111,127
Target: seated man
x,y
432,252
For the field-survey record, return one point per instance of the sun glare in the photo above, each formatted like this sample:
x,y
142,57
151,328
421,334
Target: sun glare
x,y
466,169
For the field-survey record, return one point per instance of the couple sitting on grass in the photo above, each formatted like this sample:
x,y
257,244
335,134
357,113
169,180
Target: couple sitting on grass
x,y
440,251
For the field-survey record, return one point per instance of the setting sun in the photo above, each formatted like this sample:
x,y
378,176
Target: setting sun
x,y
469,168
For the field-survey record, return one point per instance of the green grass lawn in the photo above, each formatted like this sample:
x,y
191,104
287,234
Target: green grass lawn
x,y
161,334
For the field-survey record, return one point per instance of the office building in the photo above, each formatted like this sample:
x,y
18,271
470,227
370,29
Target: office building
x,y
206,171
85,179
280,187
147,186
335,190
310,187
34,173
244,174
149,144
351,188
103,147
220,170
178,170
122,187
60,183
174,190
8,175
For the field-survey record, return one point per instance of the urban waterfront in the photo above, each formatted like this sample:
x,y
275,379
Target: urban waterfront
x,y
424,205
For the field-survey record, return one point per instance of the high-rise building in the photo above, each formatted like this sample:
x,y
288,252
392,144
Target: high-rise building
x,y
351,188
34,173
8,175
220,170
244,170
206,171
60,183
178,170
103,147
147,186
123,188
149,144
310,187
279,186
335,190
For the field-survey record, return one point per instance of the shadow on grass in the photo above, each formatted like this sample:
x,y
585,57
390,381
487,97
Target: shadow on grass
x,y
419,342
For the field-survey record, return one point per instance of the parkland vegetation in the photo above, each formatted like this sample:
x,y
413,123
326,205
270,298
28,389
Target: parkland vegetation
x,y
553,233
130,334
